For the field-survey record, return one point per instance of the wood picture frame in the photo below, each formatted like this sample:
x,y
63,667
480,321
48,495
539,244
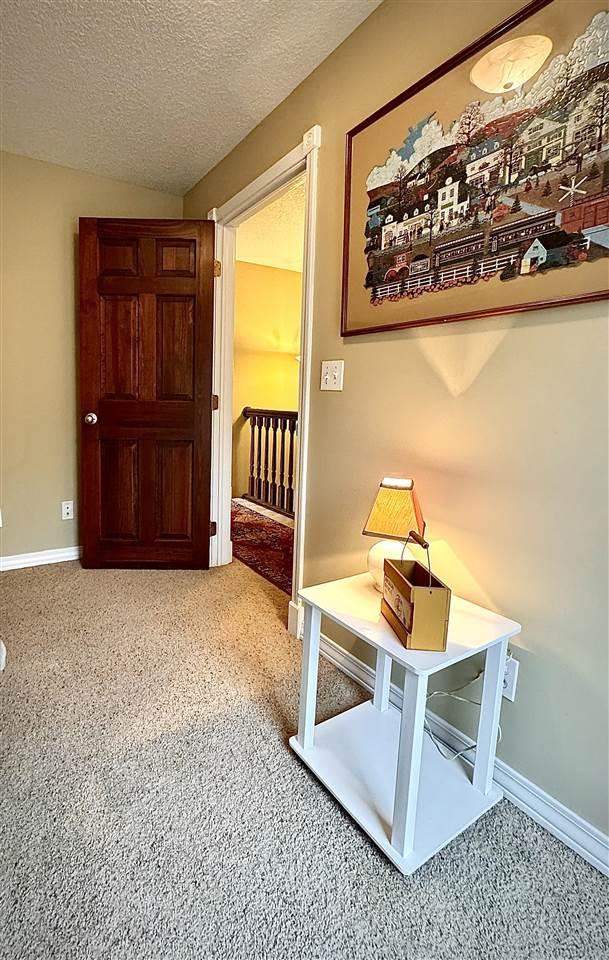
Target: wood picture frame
x,y
407,262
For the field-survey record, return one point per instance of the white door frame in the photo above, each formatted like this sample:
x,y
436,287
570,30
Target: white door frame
x,y
302,159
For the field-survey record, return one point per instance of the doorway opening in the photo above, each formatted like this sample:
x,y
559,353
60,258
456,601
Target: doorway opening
x,y
303,159
266,358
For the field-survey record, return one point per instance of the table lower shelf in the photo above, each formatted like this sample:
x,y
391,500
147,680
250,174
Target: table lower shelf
x,y
355,756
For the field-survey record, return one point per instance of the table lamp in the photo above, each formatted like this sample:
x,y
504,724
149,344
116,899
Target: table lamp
x,y
396,516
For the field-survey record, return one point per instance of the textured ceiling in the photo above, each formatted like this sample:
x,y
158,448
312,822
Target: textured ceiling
x,y
274,236
155,92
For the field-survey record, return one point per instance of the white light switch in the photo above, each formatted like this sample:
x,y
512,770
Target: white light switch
x,y
332,372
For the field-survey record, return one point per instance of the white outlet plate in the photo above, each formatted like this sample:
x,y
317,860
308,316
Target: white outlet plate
x,y
510,678
332,374
67,509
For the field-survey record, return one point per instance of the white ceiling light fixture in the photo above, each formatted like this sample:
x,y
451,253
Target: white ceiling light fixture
x,y
505,68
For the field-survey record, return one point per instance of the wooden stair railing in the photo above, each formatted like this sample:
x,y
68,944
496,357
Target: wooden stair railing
x,y
272,450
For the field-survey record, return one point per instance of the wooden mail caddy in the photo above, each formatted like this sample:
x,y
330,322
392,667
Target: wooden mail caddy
x,y
416,604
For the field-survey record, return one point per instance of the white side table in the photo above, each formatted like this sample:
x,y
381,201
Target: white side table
x,y
378,764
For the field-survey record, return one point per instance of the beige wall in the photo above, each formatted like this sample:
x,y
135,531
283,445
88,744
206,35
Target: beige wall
x,y
40,206
503,422
267,332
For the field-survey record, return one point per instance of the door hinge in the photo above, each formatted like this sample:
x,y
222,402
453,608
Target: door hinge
x,y
212,528
217,268
215,401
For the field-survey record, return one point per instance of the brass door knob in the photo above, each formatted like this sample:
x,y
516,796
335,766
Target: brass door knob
x,y
90,418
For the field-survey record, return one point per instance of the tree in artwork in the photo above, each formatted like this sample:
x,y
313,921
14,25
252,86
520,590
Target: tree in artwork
x,y
471,120
600,112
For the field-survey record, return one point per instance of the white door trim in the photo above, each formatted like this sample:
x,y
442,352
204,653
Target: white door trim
x,y
302,159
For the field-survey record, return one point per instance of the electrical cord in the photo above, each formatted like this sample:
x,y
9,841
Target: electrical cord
x,y
453,694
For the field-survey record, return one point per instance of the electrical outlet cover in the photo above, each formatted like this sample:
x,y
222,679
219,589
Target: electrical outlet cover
x,y
510,678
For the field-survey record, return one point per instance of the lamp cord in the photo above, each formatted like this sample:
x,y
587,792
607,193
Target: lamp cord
x,y
453,694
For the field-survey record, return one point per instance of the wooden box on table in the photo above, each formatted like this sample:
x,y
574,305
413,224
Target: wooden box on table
x,y
416,604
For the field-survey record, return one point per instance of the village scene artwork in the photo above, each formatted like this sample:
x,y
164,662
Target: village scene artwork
x,y
518,184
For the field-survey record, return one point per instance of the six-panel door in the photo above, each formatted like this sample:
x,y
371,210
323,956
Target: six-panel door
x,y
146,294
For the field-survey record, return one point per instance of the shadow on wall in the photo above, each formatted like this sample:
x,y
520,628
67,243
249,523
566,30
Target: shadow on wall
x,y
455,355
458,360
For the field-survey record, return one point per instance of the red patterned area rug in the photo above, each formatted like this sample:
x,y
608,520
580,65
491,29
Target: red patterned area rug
x,y
263,544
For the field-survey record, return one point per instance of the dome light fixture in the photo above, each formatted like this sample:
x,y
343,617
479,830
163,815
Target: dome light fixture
x,y
505,68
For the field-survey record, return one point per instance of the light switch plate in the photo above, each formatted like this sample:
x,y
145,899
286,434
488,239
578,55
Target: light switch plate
x,y
332,373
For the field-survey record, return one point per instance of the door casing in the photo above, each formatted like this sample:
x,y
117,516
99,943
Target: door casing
x,y
302,159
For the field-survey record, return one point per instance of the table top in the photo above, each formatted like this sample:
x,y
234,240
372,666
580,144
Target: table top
x,y
355,604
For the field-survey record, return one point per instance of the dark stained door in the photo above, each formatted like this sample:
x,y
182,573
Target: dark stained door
x,y
146,296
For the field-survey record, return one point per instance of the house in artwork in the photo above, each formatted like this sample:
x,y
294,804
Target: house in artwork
x,y
542,140
412,226
453,200
551,250
391,232
533,257
485,163
586,214
374,214
378,208
588,122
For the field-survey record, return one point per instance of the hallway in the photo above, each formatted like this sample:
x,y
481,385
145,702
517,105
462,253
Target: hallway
x,y
263,540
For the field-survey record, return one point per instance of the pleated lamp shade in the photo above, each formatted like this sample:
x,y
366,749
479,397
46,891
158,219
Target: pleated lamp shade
x,y
396,511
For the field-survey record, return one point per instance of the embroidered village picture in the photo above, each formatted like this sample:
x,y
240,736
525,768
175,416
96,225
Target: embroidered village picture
x,y
515,187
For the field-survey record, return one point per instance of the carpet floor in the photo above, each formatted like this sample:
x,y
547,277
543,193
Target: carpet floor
x,y
151,809
263,543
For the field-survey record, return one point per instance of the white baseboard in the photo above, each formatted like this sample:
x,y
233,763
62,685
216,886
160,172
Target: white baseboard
x,y
19,560
567,826
295,617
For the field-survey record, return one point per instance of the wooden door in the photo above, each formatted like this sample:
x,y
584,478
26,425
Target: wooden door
x,y
146,296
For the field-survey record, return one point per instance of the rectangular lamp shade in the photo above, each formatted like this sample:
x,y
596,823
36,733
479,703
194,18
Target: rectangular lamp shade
x,y
395,511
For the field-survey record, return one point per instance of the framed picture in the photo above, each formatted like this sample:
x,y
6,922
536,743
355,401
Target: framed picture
x,y
484,188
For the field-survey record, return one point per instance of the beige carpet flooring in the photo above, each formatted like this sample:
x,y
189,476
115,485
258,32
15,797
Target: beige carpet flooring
x,y
151,809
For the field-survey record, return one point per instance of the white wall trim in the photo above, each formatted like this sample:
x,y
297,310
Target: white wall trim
x,y
567,826
220,546
257,193
19,560
302,159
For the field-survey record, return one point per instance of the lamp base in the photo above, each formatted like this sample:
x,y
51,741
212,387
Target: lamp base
x,y
378,552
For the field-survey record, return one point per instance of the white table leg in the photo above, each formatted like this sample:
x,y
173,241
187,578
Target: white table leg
x,y
488,724
308,678
382,680
409,763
